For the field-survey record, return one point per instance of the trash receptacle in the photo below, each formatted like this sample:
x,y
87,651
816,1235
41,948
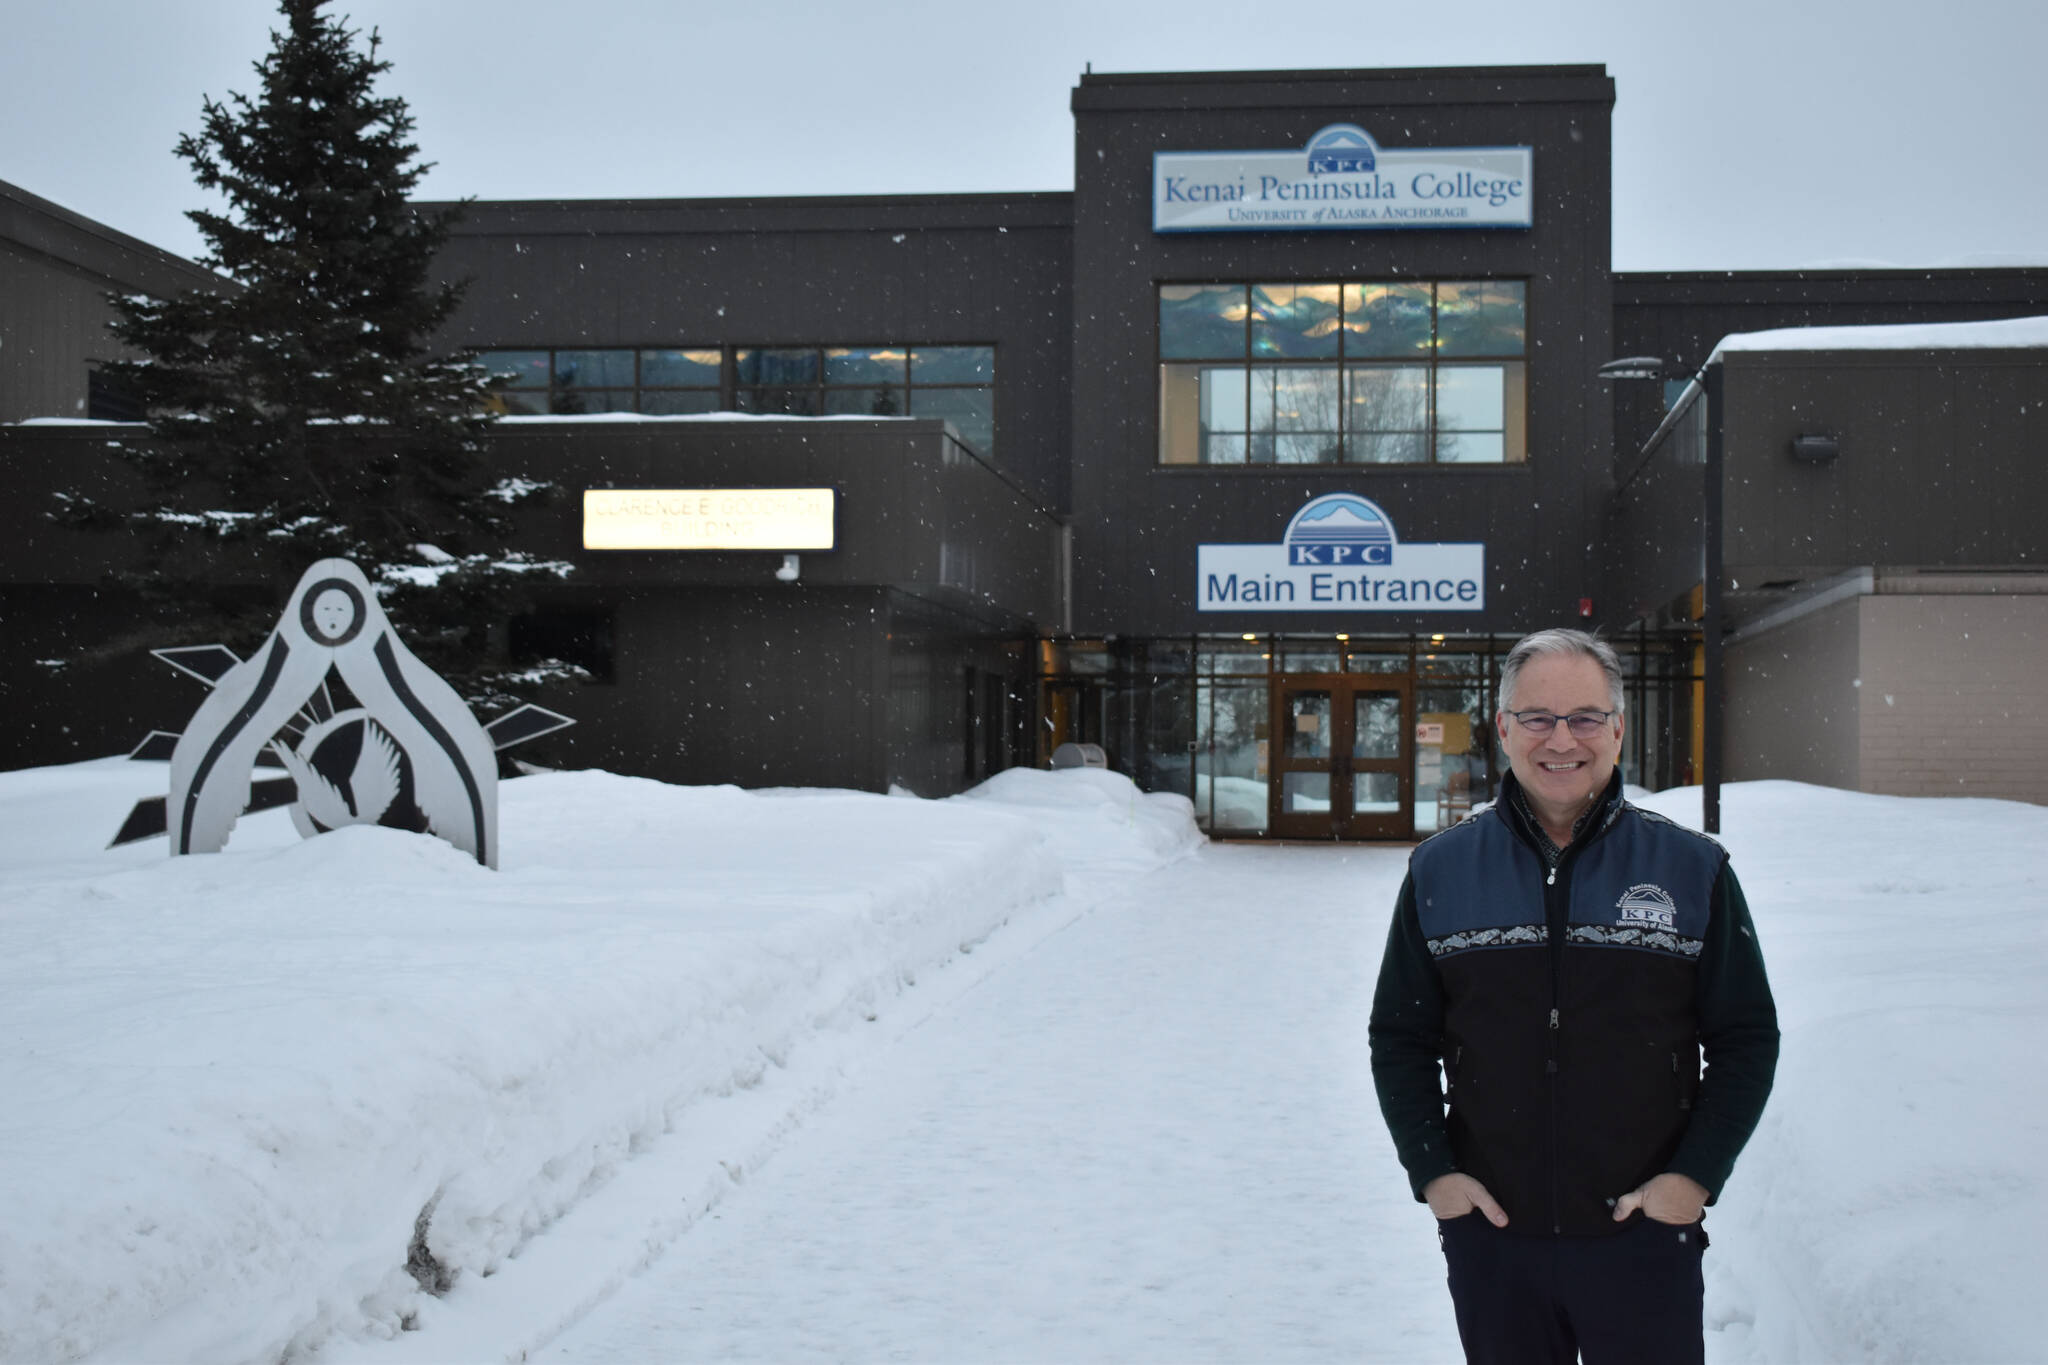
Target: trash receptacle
x,y
1079,756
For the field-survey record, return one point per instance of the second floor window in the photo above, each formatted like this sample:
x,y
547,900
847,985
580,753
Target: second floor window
x,y
953,382
653,380
1344,372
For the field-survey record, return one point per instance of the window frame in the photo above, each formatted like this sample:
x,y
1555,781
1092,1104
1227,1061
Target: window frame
x,y
552,394
726,395
1514,408
822,389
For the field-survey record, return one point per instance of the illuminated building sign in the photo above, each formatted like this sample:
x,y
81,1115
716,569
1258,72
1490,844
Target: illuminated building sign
x,y
707,519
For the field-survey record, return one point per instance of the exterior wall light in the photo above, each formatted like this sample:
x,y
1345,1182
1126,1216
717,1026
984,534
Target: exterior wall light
x,y
1816,449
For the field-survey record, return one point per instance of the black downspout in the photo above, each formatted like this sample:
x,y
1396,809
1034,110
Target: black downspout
x,y
1711,580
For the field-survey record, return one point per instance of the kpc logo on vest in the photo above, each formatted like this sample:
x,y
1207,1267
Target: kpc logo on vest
x,y
1340,553
1646,906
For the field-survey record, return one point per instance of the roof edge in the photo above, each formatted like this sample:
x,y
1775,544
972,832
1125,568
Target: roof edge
x,y
71,220
1389,87
1045,209
1346,75
766,201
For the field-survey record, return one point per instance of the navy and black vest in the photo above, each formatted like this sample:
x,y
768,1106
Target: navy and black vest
x,y
1571,1038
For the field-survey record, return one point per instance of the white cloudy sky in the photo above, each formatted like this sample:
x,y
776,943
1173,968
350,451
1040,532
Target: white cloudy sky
x,y
1748,133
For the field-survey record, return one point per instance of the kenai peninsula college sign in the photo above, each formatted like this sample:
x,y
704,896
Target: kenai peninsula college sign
x,y
1340,554
1342,180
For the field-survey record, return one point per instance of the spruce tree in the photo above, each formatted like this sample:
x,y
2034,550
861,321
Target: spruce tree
x,y
298,408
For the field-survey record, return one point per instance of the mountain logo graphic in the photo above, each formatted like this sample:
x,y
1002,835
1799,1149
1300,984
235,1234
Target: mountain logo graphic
x,y
1342,149
1340,529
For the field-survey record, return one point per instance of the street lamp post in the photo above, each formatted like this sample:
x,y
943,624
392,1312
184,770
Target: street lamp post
x,y
1713,581
1712,576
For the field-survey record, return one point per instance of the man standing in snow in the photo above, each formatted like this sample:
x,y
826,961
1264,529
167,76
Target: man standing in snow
x,y
1566,958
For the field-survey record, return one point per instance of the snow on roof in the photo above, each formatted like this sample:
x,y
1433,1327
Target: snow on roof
x,y
537,418
2007,333
69,422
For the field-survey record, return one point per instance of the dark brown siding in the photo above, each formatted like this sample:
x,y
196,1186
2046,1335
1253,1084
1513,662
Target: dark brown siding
x,y
1137,526
55,271
1940,465
945,269
1680,317
855,675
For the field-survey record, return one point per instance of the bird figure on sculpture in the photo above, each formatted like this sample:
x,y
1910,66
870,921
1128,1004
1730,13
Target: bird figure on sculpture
x,y
346,769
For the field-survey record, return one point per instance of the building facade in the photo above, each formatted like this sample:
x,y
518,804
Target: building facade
x,y
1245,460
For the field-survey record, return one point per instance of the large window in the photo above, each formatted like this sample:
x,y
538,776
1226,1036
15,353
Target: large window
x,y
655,380
1199,716
953,382
1344,372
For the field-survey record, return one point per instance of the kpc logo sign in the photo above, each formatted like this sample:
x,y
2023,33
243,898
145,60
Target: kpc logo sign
x,y
1343,180
1340,553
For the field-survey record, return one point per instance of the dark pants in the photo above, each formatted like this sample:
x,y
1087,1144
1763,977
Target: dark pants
x,y
1629,1299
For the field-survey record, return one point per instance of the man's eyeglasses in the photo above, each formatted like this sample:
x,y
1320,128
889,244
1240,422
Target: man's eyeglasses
x,y
1583,724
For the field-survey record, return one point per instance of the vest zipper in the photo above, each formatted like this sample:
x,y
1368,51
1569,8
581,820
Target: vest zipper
x,y
1557,923
1555,919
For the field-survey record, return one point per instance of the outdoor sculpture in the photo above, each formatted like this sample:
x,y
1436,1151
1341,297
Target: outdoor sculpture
x,y
410,739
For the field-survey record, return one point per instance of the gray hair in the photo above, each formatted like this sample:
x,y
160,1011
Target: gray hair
x,y
1549,643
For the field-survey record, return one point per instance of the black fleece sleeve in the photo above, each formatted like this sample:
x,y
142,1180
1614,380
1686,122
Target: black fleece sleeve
x,y
1738,1038
1407,1038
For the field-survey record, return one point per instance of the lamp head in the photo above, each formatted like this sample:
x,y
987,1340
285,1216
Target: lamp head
x,y
1634,367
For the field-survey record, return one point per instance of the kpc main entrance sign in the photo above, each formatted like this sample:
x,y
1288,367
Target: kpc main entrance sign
x,y
1343,180
1340,553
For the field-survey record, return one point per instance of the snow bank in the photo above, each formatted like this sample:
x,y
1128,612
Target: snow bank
x,y
244,1089
1099,823
1890,1205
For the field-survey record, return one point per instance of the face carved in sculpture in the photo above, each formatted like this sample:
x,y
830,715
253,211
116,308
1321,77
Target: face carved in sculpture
x,y
332,613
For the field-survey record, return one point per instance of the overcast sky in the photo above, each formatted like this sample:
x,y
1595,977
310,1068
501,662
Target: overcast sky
x,y
1746,135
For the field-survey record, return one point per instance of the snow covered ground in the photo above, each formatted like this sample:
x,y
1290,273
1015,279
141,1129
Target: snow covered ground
x,y
1154,1139
843,1075
1890,1206
235,1083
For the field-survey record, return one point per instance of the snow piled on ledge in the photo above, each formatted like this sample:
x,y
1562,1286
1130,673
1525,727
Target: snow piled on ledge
x,y
2006,333
70,422
632,418
518,419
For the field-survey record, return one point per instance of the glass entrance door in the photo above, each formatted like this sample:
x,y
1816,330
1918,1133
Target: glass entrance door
x,y
1382,762
1342,761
